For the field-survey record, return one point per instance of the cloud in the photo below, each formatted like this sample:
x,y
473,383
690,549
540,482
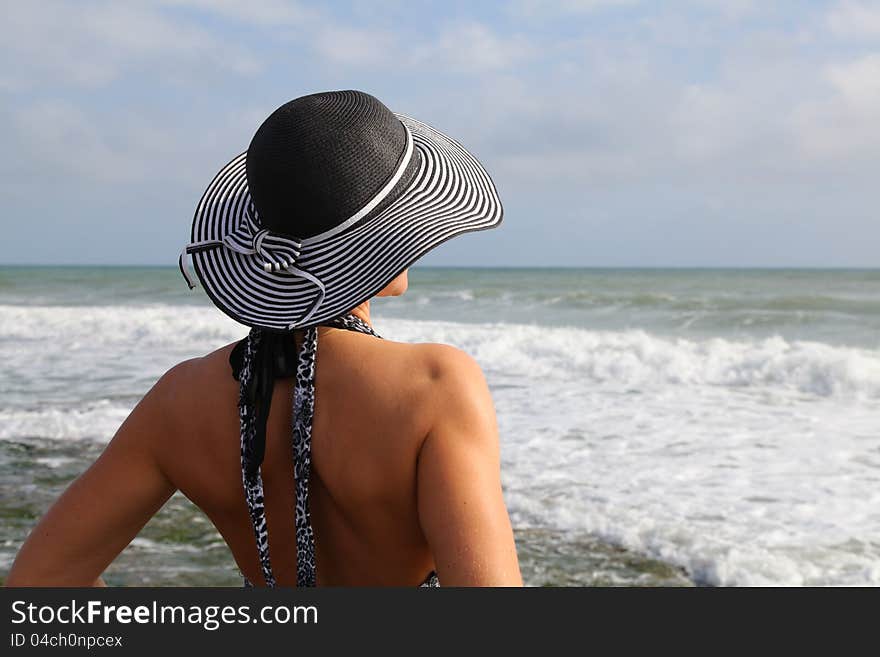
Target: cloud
x,y
858,82
266,13
843,127
539,7
62,142
472,48
767,111
730,9
854,20
462,48
351,46
92,44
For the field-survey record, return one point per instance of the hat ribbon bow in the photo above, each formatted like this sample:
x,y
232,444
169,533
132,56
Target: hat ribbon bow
x,y
274,252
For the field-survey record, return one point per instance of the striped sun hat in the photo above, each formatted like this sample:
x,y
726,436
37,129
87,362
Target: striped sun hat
x,y
334,198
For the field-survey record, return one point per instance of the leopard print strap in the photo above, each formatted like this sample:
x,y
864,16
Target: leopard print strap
x,y
251,477
303,413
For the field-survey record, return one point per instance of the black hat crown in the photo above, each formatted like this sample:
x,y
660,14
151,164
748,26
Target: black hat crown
x,y
317,160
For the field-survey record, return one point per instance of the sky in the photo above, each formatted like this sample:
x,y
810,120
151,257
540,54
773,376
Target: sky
x,y
691,133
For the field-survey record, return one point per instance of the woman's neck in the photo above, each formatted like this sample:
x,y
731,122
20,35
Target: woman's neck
x,y
363,312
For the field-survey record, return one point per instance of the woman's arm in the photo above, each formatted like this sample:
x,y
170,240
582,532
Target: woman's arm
x,y
105,508
461,507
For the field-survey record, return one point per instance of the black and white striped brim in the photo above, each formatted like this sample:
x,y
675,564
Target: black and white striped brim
x,y
273,282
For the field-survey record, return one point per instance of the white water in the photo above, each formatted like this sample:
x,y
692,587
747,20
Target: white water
x,y
744,461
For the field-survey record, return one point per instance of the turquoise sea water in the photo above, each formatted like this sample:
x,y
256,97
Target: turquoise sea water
x,y
658,426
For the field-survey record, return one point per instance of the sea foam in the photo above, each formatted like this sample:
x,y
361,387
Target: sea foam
x,y
636,358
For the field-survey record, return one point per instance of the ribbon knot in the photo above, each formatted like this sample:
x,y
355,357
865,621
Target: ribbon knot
x,y
274,253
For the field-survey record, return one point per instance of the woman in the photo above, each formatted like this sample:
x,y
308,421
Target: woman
x,y
385,471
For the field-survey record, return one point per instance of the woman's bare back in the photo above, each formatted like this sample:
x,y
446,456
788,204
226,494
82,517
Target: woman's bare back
x,y
368,427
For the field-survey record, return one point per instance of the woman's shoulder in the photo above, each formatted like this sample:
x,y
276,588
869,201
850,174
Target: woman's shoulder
x,y
448,365
438,363
411,377
449,379
186,385
198,368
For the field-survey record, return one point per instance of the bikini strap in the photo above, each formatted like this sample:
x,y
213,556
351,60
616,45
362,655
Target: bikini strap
x,y
256,362
251,402
303,416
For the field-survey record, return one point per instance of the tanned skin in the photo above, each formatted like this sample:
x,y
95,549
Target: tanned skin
x,y
405,471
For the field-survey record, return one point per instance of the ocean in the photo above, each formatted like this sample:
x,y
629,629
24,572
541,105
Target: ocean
x,y
658,427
